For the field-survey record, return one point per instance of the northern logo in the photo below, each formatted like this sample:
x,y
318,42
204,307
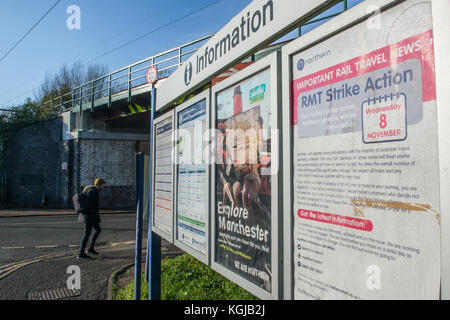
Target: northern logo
x,y
301,64
188,74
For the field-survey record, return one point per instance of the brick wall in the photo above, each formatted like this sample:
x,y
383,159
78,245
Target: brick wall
x,y
114,161
34,165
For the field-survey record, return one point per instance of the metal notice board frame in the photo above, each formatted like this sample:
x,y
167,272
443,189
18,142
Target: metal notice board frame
x,y
272,63
163,233
203,257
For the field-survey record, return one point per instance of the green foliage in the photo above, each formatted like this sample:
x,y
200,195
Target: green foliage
x,y
185,278
127,293
28,113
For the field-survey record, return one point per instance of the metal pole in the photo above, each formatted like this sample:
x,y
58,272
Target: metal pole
x,y
137,261
153,263
150,184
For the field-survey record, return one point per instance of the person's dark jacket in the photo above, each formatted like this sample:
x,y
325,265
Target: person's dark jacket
x,y
93,204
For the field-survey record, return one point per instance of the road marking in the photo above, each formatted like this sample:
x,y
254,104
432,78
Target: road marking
x,y
119,244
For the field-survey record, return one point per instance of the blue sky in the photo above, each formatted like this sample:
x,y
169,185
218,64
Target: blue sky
x,y
105,25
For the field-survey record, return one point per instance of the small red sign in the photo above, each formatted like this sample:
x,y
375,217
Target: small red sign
x,y
152,75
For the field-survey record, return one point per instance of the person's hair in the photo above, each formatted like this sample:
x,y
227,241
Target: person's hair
x,y
99,182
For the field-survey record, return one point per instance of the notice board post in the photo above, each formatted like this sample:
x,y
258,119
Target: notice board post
x,y
153,263
139,211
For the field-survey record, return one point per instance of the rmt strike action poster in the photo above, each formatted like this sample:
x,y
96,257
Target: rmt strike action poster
x,y
243,185
365,159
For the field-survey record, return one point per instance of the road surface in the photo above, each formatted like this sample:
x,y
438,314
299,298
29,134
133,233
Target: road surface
x,y
36,253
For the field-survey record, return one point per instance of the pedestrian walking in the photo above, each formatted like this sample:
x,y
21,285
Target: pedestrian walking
x,y
91,218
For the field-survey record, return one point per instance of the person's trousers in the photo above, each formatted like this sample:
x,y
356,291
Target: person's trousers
x,y
87,232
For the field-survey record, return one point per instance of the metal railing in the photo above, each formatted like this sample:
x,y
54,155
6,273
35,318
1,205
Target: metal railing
x,y
124,79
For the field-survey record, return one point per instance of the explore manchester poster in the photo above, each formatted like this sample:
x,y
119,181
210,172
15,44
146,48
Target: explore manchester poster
x,y
243,184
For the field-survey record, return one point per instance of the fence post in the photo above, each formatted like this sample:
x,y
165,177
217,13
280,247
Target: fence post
x,y
129,84
109,91
92,97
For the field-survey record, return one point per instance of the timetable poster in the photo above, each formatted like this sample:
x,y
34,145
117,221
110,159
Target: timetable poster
x,y
192,186
163,217
243,182
365,162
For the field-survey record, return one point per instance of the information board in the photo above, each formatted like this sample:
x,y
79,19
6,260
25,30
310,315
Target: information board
x,y
163,176
244,200
365,191
192,177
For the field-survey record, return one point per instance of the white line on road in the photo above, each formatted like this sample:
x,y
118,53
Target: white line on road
x,y
117,244
33,223
41,247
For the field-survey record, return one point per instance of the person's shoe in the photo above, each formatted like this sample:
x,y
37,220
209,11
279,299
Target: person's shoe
x,y
83,256
92,251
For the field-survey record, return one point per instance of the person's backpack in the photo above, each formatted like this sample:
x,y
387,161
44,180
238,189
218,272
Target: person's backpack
x,y
80,202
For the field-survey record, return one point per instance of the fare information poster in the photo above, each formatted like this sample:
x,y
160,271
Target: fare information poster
x,y
243,187
365,161
163,217
192,200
